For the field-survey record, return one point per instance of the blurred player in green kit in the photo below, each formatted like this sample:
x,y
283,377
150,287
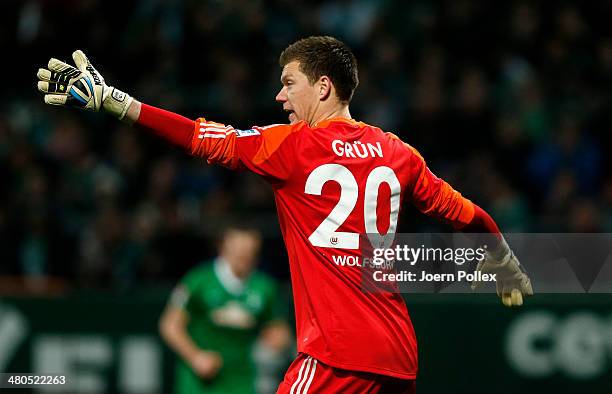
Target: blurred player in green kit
x,y
216,314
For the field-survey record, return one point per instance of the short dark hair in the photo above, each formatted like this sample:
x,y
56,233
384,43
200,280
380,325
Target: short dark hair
x,y
238,227
324,55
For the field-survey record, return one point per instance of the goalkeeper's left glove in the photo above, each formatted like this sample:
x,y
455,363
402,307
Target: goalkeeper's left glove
x,y
82,87
512,280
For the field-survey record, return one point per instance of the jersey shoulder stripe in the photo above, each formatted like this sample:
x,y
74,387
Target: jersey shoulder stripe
x,y
213,130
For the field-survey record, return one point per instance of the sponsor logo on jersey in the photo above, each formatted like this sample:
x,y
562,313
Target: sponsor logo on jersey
x,y
357,149
233,314
246,133
357,261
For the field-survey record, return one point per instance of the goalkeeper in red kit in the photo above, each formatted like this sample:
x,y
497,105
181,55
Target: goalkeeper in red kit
x,y
326,170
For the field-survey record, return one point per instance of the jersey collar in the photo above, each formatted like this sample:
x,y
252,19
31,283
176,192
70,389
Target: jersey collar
x,y
338,119
233,284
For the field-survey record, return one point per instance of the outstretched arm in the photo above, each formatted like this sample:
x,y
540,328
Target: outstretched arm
x,y
172,127
83,87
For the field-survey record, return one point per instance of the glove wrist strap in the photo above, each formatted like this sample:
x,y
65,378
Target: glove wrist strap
x,y
502,252
117,102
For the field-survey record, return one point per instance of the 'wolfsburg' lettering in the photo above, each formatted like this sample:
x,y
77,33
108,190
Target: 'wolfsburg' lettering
x,y
355,261
357,149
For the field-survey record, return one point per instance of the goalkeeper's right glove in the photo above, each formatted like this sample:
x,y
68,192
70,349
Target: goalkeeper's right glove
x,y
82,87
512,281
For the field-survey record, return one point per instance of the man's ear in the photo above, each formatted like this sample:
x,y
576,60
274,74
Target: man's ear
x,y
325,87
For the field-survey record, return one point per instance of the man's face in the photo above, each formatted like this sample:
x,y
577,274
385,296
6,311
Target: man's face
x,y
299,98
240,250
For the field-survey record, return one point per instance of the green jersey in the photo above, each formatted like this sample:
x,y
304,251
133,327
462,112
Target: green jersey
x,y
225,316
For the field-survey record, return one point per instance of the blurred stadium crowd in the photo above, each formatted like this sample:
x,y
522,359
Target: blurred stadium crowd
x,y
509,102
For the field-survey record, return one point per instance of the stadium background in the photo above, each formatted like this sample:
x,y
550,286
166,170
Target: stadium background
x,y
508,101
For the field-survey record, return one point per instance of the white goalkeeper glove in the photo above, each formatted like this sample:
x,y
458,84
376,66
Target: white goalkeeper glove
x,y
512,281
82,87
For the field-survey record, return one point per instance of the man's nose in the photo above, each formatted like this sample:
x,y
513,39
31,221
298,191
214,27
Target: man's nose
x,y
281,97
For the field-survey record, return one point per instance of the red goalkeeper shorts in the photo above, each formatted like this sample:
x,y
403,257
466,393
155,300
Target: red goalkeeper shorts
x,y
308,375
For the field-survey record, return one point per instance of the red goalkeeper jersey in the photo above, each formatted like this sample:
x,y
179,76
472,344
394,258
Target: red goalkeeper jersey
x,y
333,182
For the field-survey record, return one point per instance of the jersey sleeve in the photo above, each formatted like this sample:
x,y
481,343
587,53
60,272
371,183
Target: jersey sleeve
x,y
434,197
181,295
267,151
